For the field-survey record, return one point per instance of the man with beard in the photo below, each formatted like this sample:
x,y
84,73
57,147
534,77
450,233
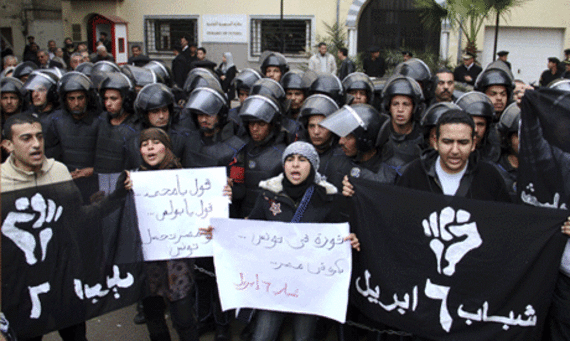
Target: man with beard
x,y
72,135
444,86
117,124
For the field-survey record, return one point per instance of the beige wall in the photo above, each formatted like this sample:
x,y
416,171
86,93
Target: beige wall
x,y
534,13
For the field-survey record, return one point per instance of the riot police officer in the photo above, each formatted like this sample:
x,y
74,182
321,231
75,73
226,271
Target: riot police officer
x,y
118,122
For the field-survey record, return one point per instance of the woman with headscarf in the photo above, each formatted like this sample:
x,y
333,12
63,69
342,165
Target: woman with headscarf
x,y
302,196
227,72
173,279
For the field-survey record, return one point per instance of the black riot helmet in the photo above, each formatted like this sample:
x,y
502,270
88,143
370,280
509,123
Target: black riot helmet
x,y
268,87
138,75
43,81
477,104
75,81
316,105
85,68
151,97
496,74
418,70
369,127
432,115
105,66
434,112
13,85
24,69
293,80
509,121
120,82
274,59
358,81
201,78
260,108
245,79
326,84
560,84
163,72
210,102
405,86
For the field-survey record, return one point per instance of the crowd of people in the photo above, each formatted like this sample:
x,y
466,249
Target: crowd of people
x,y
296,138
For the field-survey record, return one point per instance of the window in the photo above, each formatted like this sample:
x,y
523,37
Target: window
x,y
267,34
162,33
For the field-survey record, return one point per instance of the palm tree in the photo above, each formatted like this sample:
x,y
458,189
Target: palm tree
x,y
501,7
469,16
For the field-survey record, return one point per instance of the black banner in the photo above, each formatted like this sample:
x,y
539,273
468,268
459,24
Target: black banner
x,y
64,262
544,153
450,268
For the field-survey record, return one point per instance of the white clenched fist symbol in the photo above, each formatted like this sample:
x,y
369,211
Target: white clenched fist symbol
x,y
453,236
26,211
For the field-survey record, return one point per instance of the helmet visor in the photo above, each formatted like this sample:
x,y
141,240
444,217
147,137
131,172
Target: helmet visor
x,y
343,122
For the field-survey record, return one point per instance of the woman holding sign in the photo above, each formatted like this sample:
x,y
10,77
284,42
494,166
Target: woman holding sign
x,y
173,279
299,194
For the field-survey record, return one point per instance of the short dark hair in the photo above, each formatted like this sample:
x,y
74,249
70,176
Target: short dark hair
x,y
103,34
344,51
21,118
202,49
176,47
136,46
455,116
443,70
321,44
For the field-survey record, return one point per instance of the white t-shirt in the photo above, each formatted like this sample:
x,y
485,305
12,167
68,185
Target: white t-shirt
x,y
449,182
323,61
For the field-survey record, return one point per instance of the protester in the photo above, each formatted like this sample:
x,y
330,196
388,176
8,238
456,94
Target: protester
x,y
156,153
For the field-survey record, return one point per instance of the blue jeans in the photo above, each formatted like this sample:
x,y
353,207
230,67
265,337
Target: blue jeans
x,y
268,323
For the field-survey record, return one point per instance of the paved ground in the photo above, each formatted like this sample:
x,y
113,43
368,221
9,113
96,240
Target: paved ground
x,y
119,326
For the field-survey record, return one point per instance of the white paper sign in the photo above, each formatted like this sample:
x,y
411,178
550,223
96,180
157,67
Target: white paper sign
x,y
172,205
300,268
224,28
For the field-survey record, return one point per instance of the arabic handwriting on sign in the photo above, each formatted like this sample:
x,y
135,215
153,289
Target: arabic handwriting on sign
x,y
174,238
530,199
482,316
173,213
325,242
183,250
269,241
373,296
178,190
243,285
298,244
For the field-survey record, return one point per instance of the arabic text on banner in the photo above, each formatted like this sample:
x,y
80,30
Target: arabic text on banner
x,y
171,207
300,268
451,268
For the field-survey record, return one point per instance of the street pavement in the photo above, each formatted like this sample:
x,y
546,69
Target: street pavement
x,y
119,326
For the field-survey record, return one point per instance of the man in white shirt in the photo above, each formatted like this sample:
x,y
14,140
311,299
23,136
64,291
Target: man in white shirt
x,y
322,61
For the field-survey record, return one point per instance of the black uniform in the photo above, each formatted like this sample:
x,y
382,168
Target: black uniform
x,y
111,152
461,71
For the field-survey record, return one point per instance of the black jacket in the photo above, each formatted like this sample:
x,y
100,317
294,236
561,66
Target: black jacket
x,y
461,71
273,204
481,180
180,68
346,68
